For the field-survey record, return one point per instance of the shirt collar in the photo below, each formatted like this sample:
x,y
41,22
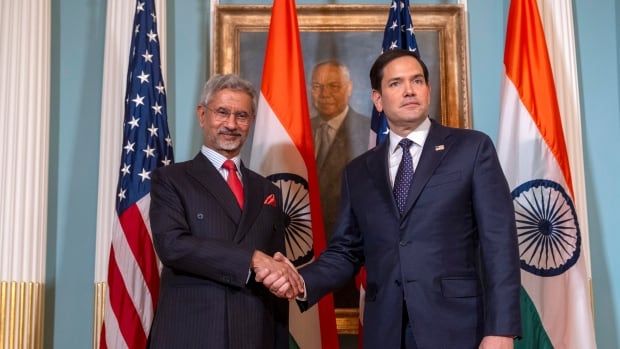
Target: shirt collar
x,y
218,159
337,120
418,136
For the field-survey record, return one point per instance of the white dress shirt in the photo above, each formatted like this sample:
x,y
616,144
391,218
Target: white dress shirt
x,y
418,136
218,159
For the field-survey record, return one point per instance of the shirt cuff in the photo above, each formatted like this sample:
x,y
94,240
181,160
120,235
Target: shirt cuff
x,y
305,296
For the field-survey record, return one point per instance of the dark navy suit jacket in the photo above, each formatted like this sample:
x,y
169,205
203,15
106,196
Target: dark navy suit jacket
x,y
452,258
205,242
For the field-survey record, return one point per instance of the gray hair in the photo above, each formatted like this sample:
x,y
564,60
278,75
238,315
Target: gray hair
x,y
334,63
233,82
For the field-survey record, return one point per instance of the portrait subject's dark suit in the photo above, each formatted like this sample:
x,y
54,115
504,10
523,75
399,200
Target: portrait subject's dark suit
x,y
350,141
205,242
451,259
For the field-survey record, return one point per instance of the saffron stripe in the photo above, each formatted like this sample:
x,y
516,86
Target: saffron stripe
x,y
139,241
123,307
527,65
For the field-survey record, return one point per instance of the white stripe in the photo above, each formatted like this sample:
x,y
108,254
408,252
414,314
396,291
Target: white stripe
x,y
301,325
523,153
273,150
133,278
113,337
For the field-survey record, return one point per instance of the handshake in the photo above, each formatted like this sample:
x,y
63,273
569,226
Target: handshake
x,y
278,275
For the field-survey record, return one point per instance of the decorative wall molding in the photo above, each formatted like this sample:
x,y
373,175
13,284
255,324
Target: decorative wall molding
x,y
25,36
21,315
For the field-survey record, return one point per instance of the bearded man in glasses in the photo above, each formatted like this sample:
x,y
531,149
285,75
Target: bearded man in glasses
x,y
215,225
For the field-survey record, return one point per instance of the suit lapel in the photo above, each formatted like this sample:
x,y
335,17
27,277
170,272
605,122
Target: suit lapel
x,y
377,163
339,142
252,192
205,173
435,148
340,146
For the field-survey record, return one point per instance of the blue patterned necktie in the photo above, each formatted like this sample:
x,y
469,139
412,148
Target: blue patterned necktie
x,y
404,176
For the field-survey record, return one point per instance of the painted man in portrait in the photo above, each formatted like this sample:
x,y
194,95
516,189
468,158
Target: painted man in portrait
x,y
340,135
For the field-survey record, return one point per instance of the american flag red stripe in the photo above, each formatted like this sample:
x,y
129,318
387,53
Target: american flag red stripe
x,y
102,342
133,267
123,307
131,221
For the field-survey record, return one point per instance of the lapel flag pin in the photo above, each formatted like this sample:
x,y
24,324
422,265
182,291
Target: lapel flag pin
x,y
439,147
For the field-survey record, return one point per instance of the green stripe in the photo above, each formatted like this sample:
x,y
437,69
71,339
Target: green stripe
x,y
534,334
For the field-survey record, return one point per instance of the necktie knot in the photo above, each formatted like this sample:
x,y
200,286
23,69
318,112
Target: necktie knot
x,y
230,166
405,143
233,181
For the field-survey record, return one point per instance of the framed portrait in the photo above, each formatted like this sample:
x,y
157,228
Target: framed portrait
x,y
352,35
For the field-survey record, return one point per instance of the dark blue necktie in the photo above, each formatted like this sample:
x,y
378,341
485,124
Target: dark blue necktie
x,y
404,176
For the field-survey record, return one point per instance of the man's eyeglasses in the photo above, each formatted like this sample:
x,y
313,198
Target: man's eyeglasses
x,y
222,114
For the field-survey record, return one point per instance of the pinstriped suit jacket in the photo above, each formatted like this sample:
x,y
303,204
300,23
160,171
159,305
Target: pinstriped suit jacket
x,y
205,242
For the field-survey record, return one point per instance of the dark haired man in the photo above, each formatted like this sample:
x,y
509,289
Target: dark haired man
x,y
430,215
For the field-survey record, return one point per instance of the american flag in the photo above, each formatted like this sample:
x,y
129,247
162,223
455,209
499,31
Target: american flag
x,y
133,269
399,33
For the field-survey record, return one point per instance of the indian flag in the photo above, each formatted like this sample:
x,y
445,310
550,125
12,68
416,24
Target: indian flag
x,y
555,294
282,151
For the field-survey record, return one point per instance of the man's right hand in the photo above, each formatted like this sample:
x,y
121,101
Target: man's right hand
x,y
277,274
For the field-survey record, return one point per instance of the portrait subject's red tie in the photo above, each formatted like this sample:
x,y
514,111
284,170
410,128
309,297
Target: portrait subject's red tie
x,y
233,181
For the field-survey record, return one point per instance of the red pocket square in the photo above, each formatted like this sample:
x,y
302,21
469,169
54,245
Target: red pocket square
x,y
270,200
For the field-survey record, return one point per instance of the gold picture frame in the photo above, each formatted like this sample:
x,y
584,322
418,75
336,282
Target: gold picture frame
x,y
446,21
241,30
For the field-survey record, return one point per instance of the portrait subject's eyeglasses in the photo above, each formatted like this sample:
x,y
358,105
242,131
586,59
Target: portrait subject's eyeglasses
x,y
222,114
331,87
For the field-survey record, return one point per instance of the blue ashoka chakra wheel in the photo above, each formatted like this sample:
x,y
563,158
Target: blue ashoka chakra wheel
x,y
547,228
296,206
